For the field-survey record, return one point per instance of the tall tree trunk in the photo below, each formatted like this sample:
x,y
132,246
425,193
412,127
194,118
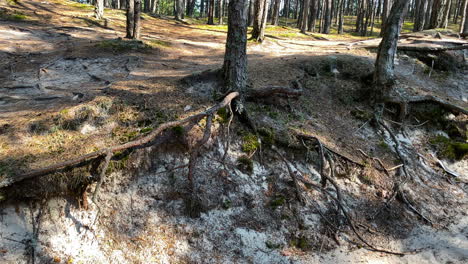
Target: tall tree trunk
x,y
385,10
251,14
179,9
312,16
275,13
130,18
220,11
437,15
259,23
464,20
235,58
328,16
211,12
384,64
202,7
285,12
445,20
99,9
305,15
136,24
341,17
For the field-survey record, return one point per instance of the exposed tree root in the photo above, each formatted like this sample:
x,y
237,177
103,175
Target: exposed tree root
x,y
138,143
398,189
338,199
403,103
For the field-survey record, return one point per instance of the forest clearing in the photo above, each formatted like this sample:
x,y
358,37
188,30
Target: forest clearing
x,y
180,134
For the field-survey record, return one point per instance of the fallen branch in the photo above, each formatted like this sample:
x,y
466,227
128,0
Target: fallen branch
x,y
302,135
429,98
138,143
270,91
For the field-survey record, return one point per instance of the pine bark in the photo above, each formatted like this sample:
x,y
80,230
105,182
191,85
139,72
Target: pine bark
x,y
235,58
211,12
130,18
259,22
275,12
384,64
464,20
305,15
136,23
99,9
328,16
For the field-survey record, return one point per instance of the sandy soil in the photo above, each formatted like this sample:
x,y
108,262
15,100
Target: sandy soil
x,y
51,64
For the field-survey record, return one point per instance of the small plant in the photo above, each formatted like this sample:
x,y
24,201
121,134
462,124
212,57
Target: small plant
x,y
449,148
119,45
250,143
178,130
277,201
223,115
156,43
245,164
384,145
299,242
267,135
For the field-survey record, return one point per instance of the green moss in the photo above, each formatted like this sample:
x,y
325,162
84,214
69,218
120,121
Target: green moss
x,y
156,43
272,245
120,45
267,135
178,130
384,145
245,164
277,201
299,242
227,204
223,115
361,114
15,16
250,143
449,148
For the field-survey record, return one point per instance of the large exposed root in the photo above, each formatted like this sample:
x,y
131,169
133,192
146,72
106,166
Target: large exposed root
x,y
138,143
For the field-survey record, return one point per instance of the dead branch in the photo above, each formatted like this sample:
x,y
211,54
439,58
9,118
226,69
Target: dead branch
x,y
429,98
280,91
138,143
305,136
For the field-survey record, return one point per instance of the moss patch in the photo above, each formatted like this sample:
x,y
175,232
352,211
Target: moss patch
x,y
250,143
245,164
449,148
13,16
120,45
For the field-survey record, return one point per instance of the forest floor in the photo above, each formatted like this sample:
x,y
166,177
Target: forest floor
x,y
70,85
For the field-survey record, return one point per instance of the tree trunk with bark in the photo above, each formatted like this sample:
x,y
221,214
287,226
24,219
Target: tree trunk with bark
x,y
259,23
305,15
235,58
179,9
130,18
220,12
328,16
99,9
312,16
464,20
211,12
137,17
384,64
275,12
